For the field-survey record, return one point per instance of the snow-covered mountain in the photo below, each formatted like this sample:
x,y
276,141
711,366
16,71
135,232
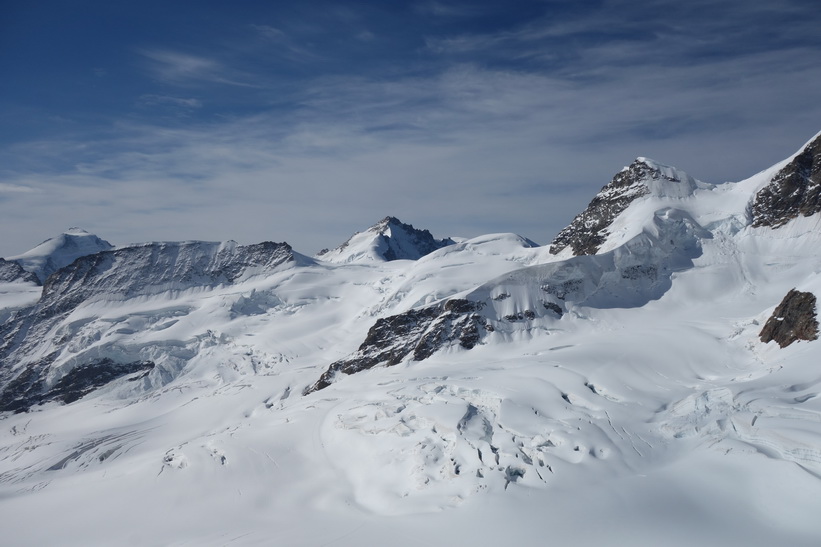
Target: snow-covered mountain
x,y
388,239
58,252
649,378
644,181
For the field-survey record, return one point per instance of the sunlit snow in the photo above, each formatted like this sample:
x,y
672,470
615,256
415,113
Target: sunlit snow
x,y
647,413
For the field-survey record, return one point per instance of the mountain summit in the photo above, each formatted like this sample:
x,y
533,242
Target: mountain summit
x,y
60,251
644,177
389,239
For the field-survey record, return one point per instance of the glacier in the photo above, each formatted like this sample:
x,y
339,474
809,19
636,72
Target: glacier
x,y
609,387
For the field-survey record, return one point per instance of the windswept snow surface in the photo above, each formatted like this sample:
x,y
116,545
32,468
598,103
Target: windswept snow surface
x,y
647,413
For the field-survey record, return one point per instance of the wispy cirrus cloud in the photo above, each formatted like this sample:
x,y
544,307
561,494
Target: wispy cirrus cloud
x,y
470,129
286,46
16,189
151,99
454,151
678,32
447,9
178,68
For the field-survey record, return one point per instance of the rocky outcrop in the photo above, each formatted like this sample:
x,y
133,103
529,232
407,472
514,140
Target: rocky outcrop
x,y
586,233
415,334
11,271
794,319
589,230
795,190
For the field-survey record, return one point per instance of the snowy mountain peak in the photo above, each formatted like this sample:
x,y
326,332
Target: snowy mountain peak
x,y
389,239
386,222
644,177
60,251
664,180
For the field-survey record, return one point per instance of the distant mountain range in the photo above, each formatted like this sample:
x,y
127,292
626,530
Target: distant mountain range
x,y
671,326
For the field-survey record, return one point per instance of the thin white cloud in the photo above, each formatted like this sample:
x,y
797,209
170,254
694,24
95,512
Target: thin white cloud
x,y
446,9
16,189
286,46
462,150
151,99
181,68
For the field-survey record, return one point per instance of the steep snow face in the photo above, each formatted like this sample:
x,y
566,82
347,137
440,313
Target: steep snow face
x,y
18,289
644,178
43,345
629,276
157,267
387,240
60,251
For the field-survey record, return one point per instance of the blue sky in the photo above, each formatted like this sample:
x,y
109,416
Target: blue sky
x,y
307,121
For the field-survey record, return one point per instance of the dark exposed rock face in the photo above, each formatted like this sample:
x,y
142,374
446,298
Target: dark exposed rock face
x,y
414,245
588,230
120,274
156,267
794,191
30,388
416,333
12,271
794,319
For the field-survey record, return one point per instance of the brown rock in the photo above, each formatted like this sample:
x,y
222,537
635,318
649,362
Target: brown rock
x,y
794,319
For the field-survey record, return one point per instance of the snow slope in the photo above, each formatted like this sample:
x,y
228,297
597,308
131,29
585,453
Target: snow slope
x,y
619,397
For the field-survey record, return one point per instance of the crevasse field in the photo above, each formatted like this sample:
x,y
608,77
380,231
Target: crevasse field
x,y
648,413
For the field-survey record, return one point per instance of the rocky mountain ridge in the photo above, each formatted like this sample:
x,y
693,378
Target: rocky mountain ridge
x,y
389,239
137,271
11,271
41,345
795,190
589,230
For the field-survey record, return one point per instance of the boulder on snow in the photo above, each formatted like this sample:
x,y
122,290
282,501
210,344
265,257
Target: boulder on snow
x,y
794,319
